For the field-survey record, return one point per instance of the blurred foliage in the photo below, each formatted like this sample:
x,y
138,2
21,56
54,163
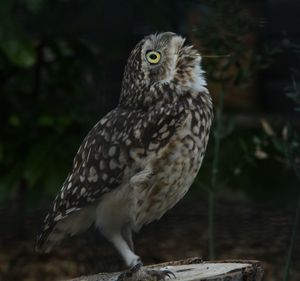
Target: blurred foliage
x,y
293,90
44,101
225,34
284,147
225,30
278,148
287,152
234,61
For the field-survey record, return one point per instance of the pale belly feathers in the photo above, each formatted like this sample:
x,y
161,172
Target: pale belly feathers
x,y
167,176
174,169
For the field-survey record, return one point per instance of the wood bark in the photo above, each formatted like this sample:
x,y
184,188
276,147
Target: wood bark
x,y
194,269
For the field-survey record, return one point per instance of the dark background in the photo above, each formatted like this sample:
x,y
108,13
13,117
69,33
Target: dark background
x,y
61,65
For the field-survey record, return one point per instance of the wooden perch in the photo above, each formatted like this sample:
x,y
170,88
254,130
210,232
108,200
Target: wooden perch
x,y
194,269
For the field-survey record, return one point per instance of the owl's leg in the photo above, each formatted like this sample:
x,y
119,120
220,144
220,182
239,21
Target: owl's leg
x,y
130,258
136,272
124,244
127,235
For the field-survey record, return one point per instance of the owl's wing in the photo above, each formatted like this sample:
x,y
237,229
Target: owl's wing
x,y
109,155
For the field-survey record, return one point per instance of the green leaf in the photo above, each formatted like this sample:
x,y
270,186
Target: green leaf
x,y
18,50
46,121
37,157
279,145
33,6
8,181
13,43
1,152
14,120
256,140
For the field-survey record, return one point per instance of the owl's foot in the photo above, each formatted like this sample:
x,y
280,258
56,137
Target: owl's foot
x,y
157,275
138,273
128,275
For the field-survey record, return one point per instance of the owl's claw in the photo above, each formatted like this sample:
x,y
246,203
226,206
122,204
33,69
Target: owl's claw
x,y
138,273
169,273
136,267
161,274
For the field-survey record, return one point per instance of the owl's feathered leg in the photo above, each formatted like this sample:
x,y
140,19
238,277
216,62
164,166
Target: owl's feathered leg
x,y
136,272
127,235
130,258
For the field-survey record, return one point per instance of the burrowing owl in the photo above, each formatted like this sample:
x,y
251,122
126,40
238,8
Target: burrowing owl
x,y
141,158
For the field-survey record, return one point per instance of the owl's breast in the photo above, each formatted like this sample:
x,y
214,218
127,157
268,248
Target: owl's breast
x,y
174,168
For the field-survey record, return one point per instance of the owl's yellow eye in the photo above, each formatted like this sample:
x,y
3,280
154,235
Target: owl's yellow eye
x,y
153,57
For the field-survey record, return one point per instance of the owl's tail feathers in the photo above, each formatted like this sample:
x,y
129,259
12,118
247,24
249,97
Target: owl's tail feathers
x,y
53,235
72,224
47,239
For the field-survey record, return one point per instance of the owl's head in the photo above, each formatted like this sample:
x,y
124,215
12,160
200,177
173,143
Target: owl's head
x,y
160,61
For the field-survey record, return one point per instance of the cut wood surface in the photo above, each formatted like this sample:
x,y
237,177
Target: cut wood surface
x,y
194,269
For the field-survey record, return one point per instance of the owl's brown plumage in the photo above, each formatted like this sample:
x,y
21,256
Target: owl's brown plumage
x,y
140,159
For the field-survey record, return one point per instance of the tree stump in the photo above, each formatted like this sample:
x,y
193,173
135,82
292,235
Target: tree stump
x,y
194,269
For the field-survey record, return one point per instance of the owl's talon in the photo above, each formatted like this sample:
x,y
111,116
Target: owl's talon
x,y
161,274
136,267
169,273
138,273
123,276
128,275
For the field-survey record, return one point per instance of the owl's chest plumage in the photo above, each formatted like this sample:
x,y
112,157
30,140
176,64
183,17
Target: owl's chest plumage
x,y
174,168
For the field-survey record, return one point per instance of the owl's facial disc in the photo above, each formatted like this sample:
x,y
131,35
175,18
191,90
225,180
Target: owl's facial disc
x,y
159,56
169,61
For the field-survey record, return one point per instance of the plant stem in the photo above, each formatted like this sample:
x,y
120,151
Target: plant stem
x,y
215,166
292,243
211,208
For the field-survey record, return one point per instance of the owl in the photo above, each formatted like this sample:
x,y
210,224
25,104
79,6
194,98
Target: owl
x,y
141,158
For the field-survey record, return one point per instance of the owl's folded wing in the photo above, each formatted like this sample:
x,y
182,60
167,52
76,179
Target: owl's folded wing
x,y
111,154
